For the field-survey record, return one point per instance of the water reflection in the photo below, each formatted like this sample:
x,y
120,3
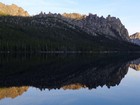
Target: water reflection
x,y
12,92
135,64
61,71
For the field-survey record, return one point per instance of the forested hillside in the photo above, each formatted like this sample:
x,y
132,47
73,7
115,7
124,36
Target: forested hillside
x,y
51,33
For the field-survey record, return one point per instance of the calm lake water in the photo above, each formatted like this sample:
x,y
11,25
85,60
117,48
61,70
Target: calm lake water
x,y
70,79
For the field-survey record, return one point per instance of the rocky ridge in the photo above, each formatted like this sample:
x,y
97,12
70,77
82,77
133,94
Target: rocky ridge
x,y
110,27
135,38
12,10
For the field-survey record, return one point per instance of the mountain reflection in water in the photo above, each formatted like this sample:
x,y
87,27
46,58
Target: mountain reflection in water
x,y
12,92
58,71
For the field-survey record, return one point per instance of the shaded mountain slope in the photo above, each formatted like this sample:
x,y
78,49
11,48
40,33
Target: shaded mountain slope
x,y
110,27
53,34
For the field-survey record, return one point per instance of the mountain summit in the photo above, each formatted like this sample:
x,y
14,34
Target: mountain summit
x,y
135,38
12,10
110,27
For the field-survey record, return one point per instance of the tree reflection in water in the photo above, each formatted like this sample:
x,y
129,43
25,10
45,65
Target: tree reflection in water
x,y
66,71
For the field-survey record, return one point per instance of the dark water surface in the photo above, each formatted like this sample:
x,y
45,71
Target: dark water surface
x,y
69,79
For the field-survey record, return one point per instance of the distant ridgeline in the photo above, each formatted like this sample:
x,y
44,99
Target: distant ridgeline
x,y
66,32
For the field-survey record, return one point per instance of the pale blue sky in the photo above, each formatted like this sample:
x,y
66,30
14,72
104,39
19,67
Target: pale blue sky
x,y
127,10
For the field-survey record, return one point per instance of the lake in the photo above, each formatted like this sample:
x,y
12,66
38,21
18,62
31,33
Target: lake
x,y
69,79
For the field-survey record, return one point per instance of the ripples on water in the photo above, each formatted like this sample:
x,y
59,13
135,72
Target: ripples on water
x,y
73,79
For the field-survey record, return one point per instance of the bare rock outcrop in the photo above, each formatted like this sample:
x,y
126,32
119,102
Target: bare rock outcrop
x,y
76,16
12,10
110,27
135,38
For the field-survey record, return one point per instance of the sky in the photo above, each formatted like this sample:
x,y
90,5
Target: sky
x,y
127,10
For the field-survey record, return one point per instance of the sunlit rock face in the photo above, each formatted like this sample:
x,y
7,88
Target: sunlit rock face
x,y
12,10
76,16
135,38
12,92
